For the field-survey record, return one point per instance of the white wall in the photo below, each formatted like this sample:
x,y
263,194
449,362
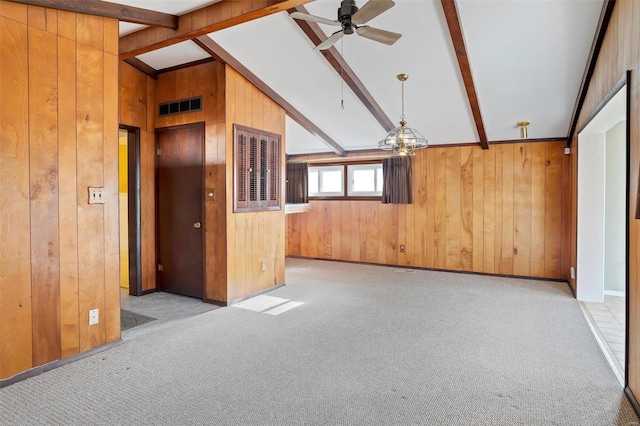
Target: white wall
x,y
591,198
615,204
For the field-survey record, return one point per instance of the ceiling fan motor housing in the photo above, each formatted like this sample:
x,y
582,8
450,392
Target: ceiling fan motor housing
x,y
347,9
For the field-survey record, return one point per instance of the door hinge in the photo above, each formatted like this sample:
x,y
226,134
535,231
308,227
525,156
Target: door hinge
x,y
160,267
159,151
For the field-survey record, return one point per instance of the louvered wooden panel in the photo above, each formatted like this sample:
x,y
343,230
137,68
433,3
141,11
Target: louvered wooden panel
x,y
263,170
253,167
241,169
274,171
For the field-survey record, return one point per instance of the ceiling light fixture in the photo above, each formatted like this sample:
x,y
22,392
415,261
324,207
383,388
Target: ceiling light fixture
x,y
403,140
523,128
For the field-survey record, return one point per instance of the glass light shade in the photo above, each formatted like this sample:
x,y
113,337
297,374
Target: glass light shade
x,y
403,140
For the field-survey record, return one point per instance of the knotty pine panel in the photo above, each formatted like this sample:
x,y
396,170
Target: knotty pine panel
x,y
43,179
256,235
68,182
472,211
16,326
620,52
90,128
137,104
54,144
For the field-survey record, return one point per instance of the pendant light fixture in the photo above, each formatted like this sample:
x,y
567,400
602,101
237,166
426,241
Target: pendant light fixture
x,y
523,128
403,140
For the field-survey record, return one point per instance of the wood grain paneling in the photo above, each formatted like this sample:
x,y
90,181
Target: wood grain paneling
x,y
57,138
15,223
620,51
206,80
137,105
43,179
472,211
256,236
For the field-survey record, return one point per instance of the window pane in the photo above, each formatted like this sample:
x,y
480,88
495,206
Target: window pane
x,y
363,180
332,181
379,179
313,182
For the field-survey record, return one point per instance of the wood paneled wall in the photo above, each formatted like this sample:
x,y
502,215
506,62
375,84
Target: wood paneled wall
x,y
207,80
58,136
138,109
496,211
620,52
253,237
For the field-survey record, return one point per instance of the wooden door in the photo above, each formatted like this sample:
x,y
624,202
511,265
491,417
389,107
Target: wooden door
x,y
180,215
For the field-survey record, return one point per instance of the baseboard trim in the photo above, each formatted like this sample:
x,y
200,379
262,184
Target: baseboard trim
x,y
632,400
423,268
257,293
214,302
55,364
614,293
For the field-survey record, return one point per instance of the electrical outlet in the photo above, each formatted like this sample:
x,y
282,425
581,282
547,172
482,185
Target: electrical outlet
x,y
402,248
264,265
93,317
97,195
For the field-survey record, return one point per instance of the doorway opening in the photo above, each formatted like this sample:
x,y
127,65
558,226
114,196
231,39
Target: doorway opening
x,y
603,218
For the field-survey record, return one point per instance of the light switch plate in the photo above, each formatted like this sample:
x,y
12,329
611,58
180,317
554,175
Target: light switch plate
x,y
97,195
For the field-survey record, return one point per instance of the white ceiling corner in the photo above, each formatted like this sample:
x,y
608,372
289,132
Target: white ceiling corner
x,y
176,54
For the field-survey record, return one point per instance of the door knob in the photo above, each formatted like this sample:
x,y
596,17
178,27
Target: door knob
x,y
197,225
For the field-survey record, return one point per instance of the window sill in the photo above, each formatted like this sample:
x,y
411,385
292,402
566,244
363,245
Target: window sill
x,y
296,208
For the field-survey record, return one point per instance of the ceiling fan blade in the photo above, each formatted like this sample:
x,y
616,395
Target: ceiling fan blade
x,y
333,38
381,36
370,10
312,18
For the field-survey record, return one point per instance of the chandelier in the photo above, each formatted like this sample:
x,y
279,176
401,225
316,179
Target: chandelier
x,y
403,140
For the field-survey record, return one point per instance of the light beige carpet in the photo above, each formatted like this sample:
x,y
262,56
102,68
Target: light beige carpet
x,y
367,346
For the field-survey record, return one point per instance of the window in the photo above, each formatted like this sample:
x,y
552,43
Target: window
x,y
365,180
326,181
256,160
346,180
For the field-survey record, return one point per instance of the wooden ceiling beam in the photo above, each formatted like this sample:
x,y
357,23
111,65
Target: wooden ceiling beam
x,y
596,45
142,66
317,36
217,16
109,10
221,55
455,29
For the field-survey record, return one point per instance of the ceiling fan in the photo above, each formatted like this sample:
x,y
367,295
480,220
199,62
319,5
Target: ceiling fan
x,y
351,19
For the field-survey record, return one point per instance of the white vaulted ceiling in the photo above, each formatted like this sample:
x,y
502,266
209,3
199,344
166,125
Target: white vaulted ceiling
x,y
527,58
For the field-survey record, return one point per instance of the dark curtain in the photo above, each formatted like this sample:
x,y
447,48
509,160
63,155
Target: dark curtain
x,y
396,180
297,183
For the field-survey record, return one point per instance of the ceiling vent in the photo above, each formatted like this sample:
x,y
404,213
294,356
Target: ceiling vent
x,y
180,107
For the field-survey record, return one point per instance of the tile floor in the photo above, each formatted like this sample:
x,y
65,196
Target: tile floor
x,y
609,319
166,308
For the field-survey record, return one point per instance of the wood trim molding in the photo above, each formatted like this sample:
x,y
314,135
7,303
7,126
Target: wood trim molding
x,y
610,94
110,10
142,67
596,45
217,16
455,29
632,398
531,140
317,36
55,364
185,65
221,55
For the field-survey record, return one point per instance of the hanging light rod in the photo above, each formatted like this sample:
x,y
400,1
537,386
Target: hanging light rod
x,y
403,140
523,128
